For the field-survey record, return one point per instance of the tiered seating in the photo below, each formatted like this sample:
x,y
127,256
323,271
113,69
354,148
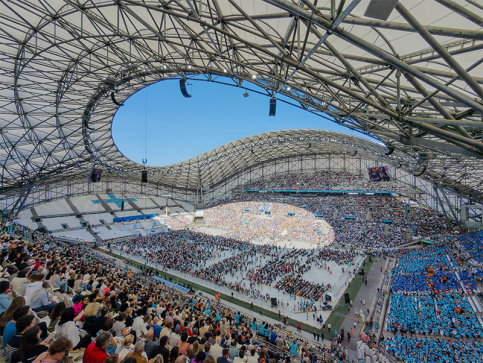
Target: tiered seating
x,y
54,208
152,211
428,299
85,205
95,219
106,234
56,224
25,219
104,291
128,213
78,235
472,243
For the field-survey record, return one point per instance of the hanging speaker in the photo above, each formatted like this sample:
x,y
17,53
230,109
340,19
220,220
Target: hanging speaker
x,y
273,106
113,98
390,150
380,9
182,87
144,176
122,205
421,173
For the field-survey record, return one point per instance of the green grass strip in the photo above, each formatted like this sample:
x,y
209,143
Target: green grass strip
x,y
334,320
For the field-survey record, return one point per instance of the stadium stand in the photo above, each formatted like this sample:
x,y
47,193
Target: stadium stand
x,y
98,219
61,223
101,307
25,218
54,208
76,236
85,205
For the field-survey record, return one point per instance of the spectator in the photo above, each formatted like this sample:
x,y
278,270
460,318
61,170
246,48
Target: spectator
x,y
5,295
40,299
30,347
138,354
224,356
10,329
57,351
20,282
66,328
96,351
55,315
22,324
151,347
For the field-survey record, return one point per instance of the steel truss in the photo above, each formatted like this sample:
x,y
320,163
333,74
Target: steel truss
x,y
410,82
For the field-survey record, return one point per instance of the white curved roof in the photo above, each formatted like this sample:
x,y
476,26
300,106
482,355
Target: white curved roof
x,y
414,81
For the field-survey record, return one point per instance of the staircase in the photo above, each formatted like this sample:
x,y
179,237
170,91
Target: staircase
x,y
105,205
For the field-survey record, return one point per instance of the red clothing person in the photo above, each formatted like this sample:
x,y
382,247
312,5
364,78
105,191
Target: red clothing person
x,y
94,354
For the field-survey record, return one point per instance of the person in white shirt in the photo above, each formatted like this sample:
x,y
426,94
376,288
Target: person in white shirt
x,y
94,285
101,289
241,357
174,337
253,358
34,285
140,324
20,282
216,349
66,328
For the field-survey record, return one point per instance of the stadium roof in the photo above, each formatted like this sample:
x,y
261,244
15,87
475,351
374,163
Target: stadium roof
x,y
413,81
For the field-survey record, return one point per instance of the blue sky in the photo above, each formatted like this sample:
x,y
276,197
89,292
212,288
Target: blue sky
x,y
159,124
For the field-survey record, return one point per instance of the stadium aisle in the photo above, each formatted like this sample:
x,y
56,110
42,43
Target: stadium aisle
x,y
367,294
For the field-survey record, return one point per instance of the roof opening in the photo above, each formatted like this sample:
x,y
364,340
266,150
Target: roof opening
x,y
162,126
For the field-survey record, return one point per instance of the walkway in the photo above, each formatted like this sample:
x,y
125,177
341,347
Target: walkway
x,y
367,293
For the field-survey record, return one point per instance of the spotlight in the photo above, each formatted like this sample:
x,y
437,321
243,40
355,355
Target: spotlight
x,y
288,88
254,76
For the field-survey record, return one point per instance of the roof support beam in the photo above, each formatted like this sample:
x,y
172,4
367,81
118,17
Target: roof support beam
x,y
435,30
371,48
435,104
435,145
462,11
438,48
438,198
322,39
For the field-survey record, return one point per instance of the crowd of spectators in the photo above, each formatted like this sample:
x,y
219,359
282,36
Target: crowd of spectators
x,y
258,220
320,180
434,350
60,302
357,221
432,306
240,266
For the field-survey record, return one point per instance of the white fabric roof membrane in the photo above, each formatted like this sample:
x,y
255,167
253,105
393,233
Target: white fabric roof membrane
x,y
413,81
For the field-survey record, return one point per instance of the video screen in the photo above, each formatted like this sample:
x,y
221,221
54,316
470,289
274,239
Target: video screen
x,y
96,175
378,173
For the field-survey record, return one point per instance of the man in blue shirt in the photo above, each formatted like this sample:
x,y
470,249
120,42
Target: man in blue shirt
x,y
5,294
11,329
40,299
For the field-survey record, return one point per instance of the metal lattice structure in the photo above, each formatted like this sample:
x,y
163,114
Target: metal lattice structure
x,y
413,82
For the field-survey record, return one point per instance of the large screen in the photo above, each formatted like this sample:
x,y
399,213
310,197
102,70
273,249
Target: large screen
x,y
96,175
379,173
